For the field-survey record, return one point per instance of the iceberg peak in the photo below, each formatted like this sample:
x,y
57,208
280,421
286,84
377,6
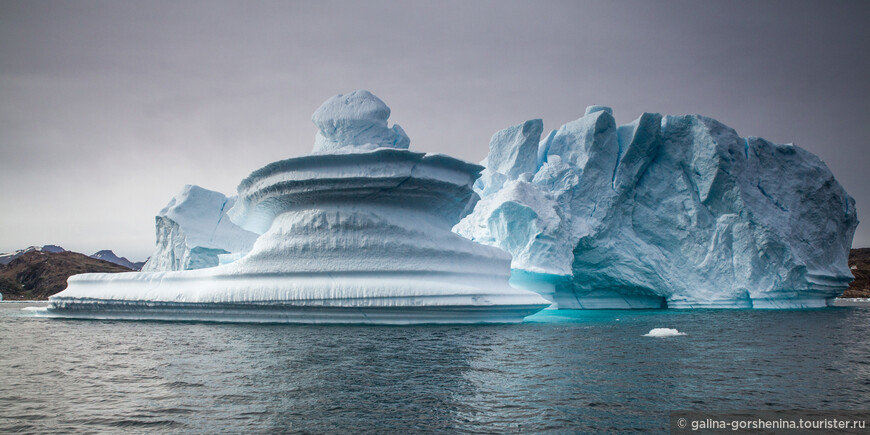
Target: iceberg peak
x,y
596,108
355,121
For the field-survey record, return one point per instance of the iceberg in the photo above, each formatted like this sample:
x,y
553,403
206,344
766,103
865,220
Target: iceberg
x,y
194,232
663,332
667,211
359,231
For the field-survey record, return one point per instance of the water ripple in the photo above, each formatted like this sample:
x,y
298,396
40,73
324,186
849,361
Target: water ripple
x,y
562,372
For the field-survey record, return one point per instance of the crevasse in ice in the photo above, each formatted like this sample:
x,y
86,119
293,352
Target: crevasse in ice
x,y
358,231
673,211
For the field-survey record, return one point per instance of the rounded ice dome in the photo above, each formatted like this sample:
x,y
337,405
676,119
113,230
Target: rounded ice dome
x,y
355,121
347,111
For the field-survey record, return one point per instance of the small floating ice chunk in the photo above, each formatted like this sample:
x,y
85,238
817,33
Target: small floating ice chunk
x,y
663,332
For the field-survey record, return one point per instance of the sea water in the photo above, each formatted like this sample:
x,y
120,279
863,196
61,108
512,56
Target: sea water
x,y
561,371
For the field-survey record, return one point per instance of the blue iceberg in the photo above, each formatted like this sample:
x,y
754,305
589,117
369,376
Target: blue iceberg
x,y
667,211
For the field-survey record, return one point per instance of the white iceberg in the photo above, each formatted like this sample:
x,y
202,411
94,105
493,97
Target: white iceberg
x,y
674,211
359,232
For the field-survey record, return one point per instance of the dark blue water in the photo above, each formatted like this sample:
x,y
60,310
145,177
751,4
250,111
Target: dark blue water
x,y
582,371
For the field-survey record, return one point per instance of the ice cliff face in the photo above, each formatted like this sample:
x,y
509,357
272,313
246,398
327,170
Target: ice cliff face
x,y
675,211
193,231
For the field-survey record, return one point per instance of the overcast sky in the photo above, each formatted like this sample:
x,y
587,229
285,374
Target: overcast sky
x,y
108,108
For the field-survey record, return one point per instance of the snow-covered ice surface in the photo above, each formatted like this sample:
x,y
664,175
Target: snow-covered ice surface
x,y
357,232
194,232
673,211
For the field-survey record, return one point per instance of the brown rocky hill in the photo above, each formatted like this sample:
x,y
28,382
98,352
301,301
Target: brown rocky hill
x,y
37,275
859,262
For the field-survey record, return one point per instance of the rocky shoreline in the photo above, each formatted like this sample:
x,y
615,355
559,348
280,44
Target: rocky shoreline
x,y
37,275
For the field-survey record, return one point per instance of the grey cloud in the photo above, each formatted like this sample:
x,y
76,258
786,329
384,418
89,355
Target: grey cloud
x,y
107,108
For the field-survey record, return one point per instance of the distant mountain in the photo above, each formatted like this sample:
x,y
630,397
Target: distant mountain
x,y
859,263
108,255
8,257
38,274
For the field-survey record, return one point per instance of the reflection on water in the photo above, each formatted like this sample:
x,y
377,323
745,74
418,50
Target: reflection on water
x,y
590,371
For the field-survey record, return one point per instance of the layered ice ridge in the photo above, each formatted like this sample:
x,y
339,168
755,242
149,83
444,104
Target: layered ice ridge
x,y
675,211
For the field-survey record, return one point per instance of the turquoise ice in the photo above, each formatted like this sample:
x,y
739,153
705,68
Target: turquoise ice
x,y
675,211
